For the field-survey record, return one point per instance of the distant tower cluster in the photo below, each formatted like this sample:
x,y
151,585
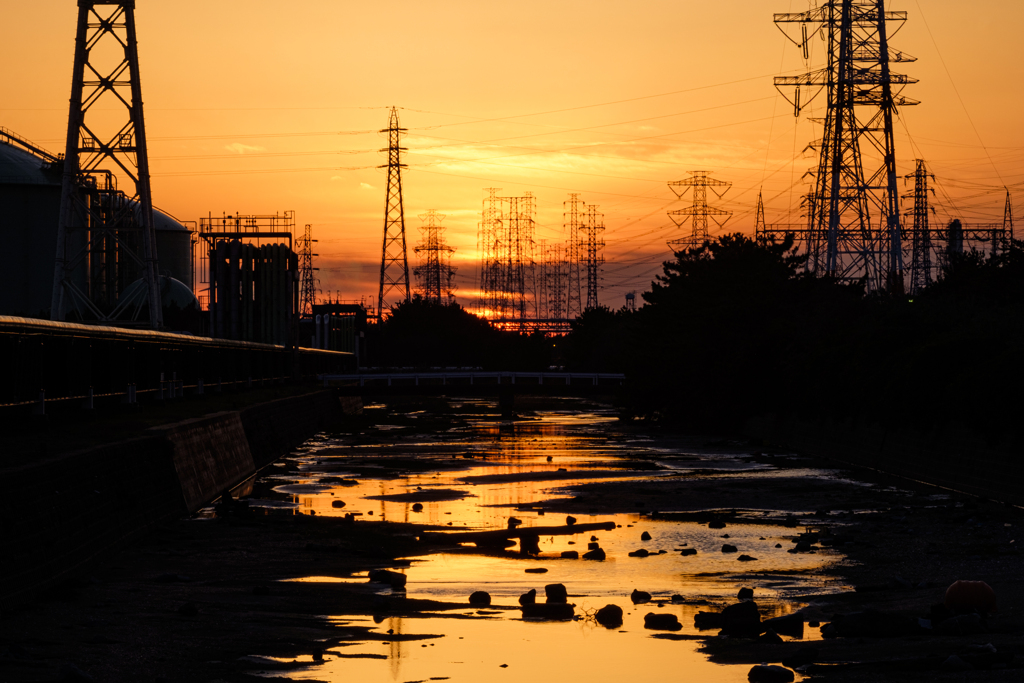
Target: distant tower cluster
x,y
307,274
593,226
556,280
394,262
435,274
854,229
697,214
507,272
572,224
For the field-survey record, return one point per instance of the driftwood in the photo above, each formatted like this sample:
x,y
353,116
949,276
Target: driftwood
x,y
496,537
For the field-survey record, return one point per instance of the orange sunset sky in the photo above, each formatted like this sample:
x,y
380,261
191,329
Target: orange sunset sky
x,y
262,107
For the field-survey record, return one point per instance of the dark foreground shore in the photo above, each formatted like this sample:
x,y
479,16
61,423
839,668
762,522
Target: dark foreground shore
x,y
197,598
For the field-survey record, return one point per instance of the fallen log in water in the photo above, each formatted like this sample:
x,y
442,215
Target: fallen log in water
x,y
498,536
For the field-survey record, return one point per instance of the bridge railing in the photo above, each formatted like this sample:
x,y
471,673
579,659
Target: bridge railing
x,y
471,378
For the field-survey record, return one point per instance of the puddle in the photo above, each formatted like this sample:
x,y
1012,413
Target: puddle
x,y
477,476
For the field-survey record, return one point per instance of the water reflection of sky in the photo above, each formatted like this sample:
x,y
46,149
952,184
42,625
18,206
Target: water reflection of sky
x,y
511,468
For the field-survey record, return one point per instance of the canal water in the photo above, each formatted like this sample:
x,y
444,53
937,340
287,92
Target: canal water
x,y
473,472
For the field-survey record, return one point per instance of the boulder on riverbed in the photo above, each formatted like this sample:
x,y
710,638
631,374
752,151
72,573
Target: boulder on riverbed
x,y
596,554
769,673
639,597
528,598
729,548
688,551
642,552
551,611
609,616
396,579
556,593
665,621
645,536
480,598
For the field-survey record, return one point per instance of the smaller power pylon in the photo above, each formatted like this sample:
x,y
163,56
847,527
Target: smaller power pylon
x,y
921,262
698,212
394,261
1008,220
556,275
310,283
593,226
436,273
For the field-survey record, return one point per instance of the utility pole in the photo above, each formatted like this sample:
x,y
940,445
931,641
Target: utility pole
x,y
104,238
593,225
309,281
571,219
854,227
699,182
394,263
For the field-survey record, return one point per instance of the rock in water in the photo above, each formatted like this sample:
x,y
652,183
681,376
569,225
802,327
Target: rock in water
x,y
688,551
570,554
729,548
570,520
662,622
417,507
764,673
746,594
340,504
645,536
746,558
970,596
555,592
716,525
596,554
609,616
396,579
639,597
788,625
529,598
554,611
741,619
480,598
642,552
536,570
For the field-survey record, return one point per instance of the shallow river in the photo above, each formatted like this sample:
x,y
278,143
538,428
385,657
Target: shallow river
x,y
508,468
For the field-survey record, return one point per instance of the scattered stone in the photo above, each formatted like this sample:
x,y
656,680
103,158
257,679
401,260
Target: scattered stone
x,y
729,548
529,598
678,598
609,616
553,611
725,536
513,522
396,579
788,625
662,622
716,524
708,620
746,558
555,592
536,570
593,538
801,547
593,546
778,545
688,551
954,663
970,596
741,619
639,553
480,598
570,520
639,597
570,554
597,554
645,536
769,673
341,504
746,594
416,507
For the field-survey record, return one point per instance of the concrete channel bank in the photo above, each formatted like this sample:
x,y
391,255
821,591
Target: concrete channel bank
x,y
60,514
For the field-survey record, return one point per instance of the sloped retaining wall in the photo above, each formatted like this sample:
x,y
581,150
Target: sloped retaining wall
x,y
59,515
950,456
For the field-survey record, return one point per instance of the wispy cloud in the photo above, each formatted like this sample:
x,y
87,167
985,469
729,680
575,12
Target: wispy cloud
x,y
239,148
367,186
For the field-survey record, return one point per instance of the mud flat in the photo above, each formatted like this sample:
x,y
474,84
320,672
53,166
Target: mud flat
x,y
278,588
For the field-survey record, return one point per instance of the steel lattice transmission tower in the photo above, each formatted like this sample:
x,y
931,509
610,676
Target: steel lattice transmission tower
x,y
698,212
573,225
854,222
394,261
921,243
593,226
436,272
556,277
309,282
104,237
507,269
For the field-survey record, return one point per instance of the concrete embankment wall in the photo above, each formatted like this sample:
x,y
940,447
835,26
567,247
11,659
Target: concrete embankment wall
x,y
949,456
60,514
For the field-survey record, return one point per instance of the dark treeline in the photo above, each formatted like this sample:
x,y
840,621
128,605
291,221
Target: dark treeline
x,y
736,329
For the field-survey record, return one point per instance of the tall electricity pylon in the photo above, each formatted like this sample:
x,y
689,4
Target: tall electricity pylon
x,y
921,243
105,238
571,219
394,262
593,225
699,182
436,272
842,241
1008,221
309,281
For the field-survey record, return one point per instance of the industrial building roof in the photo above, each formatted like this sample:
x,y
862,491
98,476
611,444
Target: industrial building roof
x,y
20,167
